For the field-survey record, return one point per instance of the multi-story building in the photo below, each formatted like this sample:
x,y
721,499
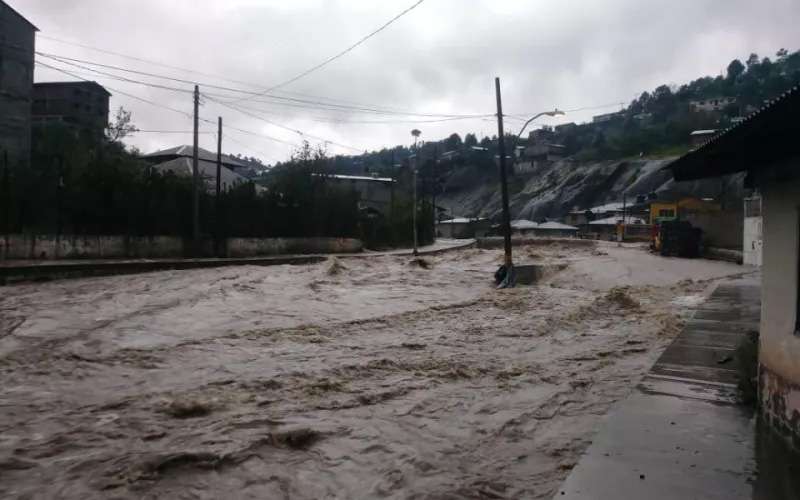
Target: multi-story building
x,y
17,43
80,105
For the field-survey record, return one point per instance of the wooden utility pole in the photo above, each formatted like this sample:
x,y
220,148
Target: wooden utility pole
x,y
391,202
196,175
503,181
414,209
6,205
434,184
217,200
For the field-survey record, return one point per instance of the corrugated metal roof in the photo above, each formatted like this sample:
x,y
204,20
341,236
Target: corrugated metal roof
x,y
187,152
613,221
182,167
557,225
523,224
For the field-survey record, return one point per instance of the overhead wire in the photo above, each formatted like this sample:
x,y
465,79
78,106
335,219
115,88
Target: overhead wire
x,y
329,60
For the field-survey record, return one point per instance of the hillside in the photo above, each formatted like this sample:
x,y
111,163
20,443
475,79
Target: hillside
x,y
553,190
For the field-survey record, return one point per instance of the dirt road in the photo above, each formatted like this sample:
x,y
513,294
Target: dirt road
x,y
350,379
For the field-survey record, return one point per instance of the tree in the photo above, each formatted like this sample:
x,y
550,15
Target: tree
x,y
453,142
470,140
753,60
735,70
121,127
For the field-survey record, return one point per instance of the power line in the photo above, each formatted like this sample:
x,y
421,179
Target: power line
x,y
159,105
340,54
266,120
310,104
261,92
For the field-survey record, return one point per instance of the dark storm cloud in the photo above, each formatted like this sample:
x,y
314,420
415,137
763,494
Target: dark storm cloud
x,y
440,58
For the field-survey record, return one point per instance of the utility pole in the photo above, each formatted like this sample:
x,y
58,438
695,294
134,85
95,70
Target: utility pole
x,y
434,183
217,200
414,202
508,281
196,175
6,205
391,201
624,216
415,133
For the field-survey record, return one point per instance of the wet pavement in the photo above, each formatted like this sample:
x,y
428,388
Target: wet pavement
x,y
682,433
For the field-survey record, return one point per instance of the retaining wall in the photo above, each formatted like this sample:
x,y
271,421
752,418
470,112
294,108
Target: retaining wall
x,y
50,247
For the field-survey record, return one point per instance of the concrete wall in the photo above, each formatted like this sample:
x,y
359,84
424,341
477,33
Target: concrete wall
x,y
249,247
779,353
46,247
721,229
16,82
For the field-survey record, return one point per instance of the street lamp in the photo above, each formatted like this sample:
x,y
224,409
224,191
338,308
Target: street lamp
x,y
555,112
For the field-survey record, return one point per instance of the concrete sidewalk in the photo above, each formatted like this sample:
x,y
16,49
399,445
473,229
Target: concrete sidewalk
x,y
681,434
26,270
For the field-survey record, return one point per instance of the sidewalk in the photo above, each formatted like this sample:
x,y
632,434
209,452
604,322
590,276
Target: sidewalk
x,y
681,434
21,270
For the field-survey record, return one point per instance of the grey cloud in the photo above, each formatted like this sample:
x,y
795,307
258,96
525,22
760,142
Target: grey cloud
x,y
442,57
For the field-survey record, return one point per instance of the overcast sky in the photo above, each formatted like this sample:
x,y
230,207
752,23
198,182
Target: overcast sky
x,y
441,58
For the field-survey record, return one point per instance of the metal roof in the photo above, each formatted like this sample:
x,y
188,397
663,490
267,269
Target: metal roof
x,y
187,152
765,137
358,177
556,225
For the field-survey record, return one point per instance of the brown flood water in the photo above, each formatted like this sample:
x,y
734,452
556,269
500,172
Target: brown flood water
x,y
381,380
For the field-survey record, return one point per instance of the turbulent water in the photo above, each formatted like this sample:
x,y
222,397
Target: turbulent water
x,y
361,378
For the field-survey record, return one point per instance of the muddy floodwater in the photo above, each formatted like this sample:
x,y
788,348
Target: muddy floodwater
x,y
354,378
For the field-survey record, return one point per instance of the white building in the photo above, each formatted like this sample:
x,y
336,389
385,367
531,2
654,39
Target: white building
x,y
765,147
711,104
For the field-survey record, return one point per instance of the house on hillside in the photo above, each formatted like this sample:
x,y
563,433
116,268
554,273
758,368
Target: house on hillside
x,y
178,160
711,104
608,117
765,147
17,45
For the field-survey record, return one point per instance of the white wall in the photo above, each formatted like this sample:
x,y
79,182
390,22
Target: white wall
x,y
780,346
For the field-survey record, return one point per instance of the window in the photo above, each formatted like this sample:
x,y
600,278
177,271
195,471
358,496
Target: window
x,y
666,212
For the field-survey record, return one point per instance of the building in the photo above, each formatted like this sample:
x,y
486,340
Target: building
x,y
700,137
681,208
463,228
375,193
607,228
178,160
565,127
523,227
765,147
721,228
81,105
712,104
17,45
608,117
553,229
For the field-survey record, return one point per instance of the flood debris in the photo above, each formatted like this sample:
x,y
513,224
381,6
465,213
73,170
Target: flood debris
x,y
421,262
188,407
335,267
619,296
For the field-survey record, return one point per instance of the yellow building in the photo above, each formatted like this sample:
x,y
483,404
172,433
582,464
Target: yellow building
x,y
667,210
